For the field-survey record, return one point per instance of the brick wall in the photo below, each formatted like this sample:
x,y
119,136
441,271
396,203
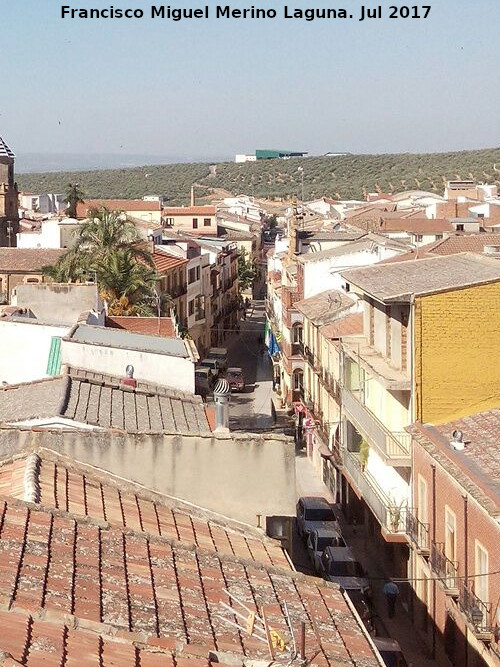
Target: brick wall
x,y
457,335
482,527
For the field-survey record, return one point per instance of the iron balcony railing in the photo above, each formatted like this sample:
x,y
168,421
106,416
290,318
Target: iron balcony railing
x,y
446,569
477,611
394,444
391,516
418,532
297,349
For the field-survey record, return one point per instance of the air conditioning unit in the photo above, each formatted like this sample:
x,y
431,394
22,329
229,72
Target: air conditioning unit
x,y
492,249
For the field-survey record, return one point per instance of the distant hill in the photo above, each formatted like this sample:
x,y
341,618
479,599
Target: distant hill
x,y
349,176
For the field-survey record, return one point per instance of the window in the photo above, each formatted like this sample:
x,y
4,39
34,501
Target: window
x,y
192,275
482,563
207,222
450,534
422,507
191,307
298,379
460,228
420,238
438,237
195,223
297,333
197,273
169,222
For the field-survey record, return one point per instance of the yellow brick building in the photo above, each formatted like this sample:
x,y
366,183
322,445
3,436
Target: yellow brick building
x,y
457,348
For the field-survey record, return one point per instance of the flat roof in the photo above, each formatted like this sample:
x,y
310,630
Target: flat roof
x,y
399,281
95,335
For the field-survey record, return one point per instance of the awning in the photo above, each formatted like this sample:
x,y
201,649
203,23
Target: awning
x,y
325,452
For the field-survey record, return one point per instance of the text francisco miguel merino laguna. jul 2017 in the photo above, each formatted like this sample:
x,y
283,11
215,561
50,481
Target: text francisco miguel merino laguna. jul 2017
x,y
227,12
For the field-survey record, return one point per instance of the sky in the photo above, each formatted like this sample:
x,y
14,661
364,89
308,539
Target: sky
x,y
206,88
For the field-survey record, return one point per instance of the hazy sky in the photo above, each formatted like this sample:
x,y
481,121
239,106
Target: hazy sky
x,y
219,87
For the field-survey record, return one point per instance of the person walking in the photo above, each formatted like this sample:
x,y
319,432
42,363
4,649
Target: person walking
x,y
391,592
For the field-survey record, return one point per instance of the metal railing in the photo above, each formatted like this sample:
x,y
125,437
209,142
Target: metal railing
x,y
394,444
418,532
446,569
477,611
297,349
390,516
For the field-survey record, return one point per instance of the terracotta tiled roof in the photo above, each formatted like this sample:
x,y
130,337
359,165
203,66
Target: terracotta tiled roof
x,y
416,225
188,210
116,205
165,262
105,403
462,243
143,325
79,590
476,466
27,260
345,326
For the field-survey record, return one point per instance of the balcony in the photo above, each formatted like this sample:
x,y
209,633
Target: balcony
x,y
392,518
446,569
476,611
418,533
297,349
178,290
331,385
290,296
393,445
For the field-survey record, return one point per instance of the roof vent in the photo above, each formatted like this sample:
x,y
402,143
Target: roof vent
x,y
457,440
129,380
222,392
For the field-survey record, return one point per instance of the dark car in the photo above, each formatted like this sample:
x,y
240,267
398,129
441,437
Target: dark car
x,y
338,564
313,513
319,540
390,651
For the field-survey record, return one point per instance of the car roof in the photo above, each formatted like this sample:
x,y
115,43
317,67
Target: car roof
x,y
235,369
210,361
202,370
218,350
326,532
340,553
386,644
315,502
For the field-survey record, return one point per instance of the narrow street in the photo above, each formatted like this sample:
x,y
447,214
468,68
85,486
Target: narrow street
x,y
251,410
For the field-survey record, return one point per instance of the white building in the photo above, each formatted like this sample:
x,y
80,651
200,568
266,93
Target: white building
x,y
241,157
44,203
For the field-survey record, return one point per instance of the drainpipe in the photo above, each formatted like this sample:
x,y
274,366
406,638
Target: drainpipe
x,y
222,392
434,588
466,572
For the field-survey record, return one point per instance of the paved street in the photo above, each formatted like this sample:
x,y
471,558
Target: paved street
x,y
251,410
400,627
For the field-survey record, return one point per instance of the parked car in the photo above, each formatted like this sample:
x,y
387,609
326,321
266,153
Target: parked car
x,y
213,365
203,381
219,353
338,564
236,379
314,513
319,540
390,651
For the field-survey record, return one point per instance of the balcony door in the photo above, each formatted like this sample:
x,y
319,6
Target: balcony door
x,y
450,545
481,581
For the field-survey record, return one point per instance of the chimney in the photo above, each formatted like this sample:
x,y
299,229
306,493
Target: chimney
x,y
192,196
129,381
222,392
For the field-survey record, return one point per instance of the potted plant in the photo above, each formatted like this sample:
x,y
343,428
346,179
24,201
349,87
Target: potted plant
x,y
395,514
364,453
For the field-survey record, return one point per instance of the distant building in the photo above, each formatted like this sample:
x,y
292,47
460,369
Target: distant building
x,y
265,154
193,219
42,203
9,216
144,209
244,158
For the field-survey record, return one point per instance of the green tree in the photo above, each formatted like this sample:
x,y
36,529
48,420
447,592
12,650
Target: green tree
x,y
74,196
110,250
246,270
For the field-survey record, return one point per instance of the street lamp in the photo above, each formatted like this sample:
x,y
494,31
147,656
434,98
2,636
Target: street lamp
x,y
301,172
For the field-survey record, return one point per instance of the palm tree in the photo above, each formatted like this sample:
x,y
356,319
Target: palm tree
x,y
106,231
74,196
110,250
